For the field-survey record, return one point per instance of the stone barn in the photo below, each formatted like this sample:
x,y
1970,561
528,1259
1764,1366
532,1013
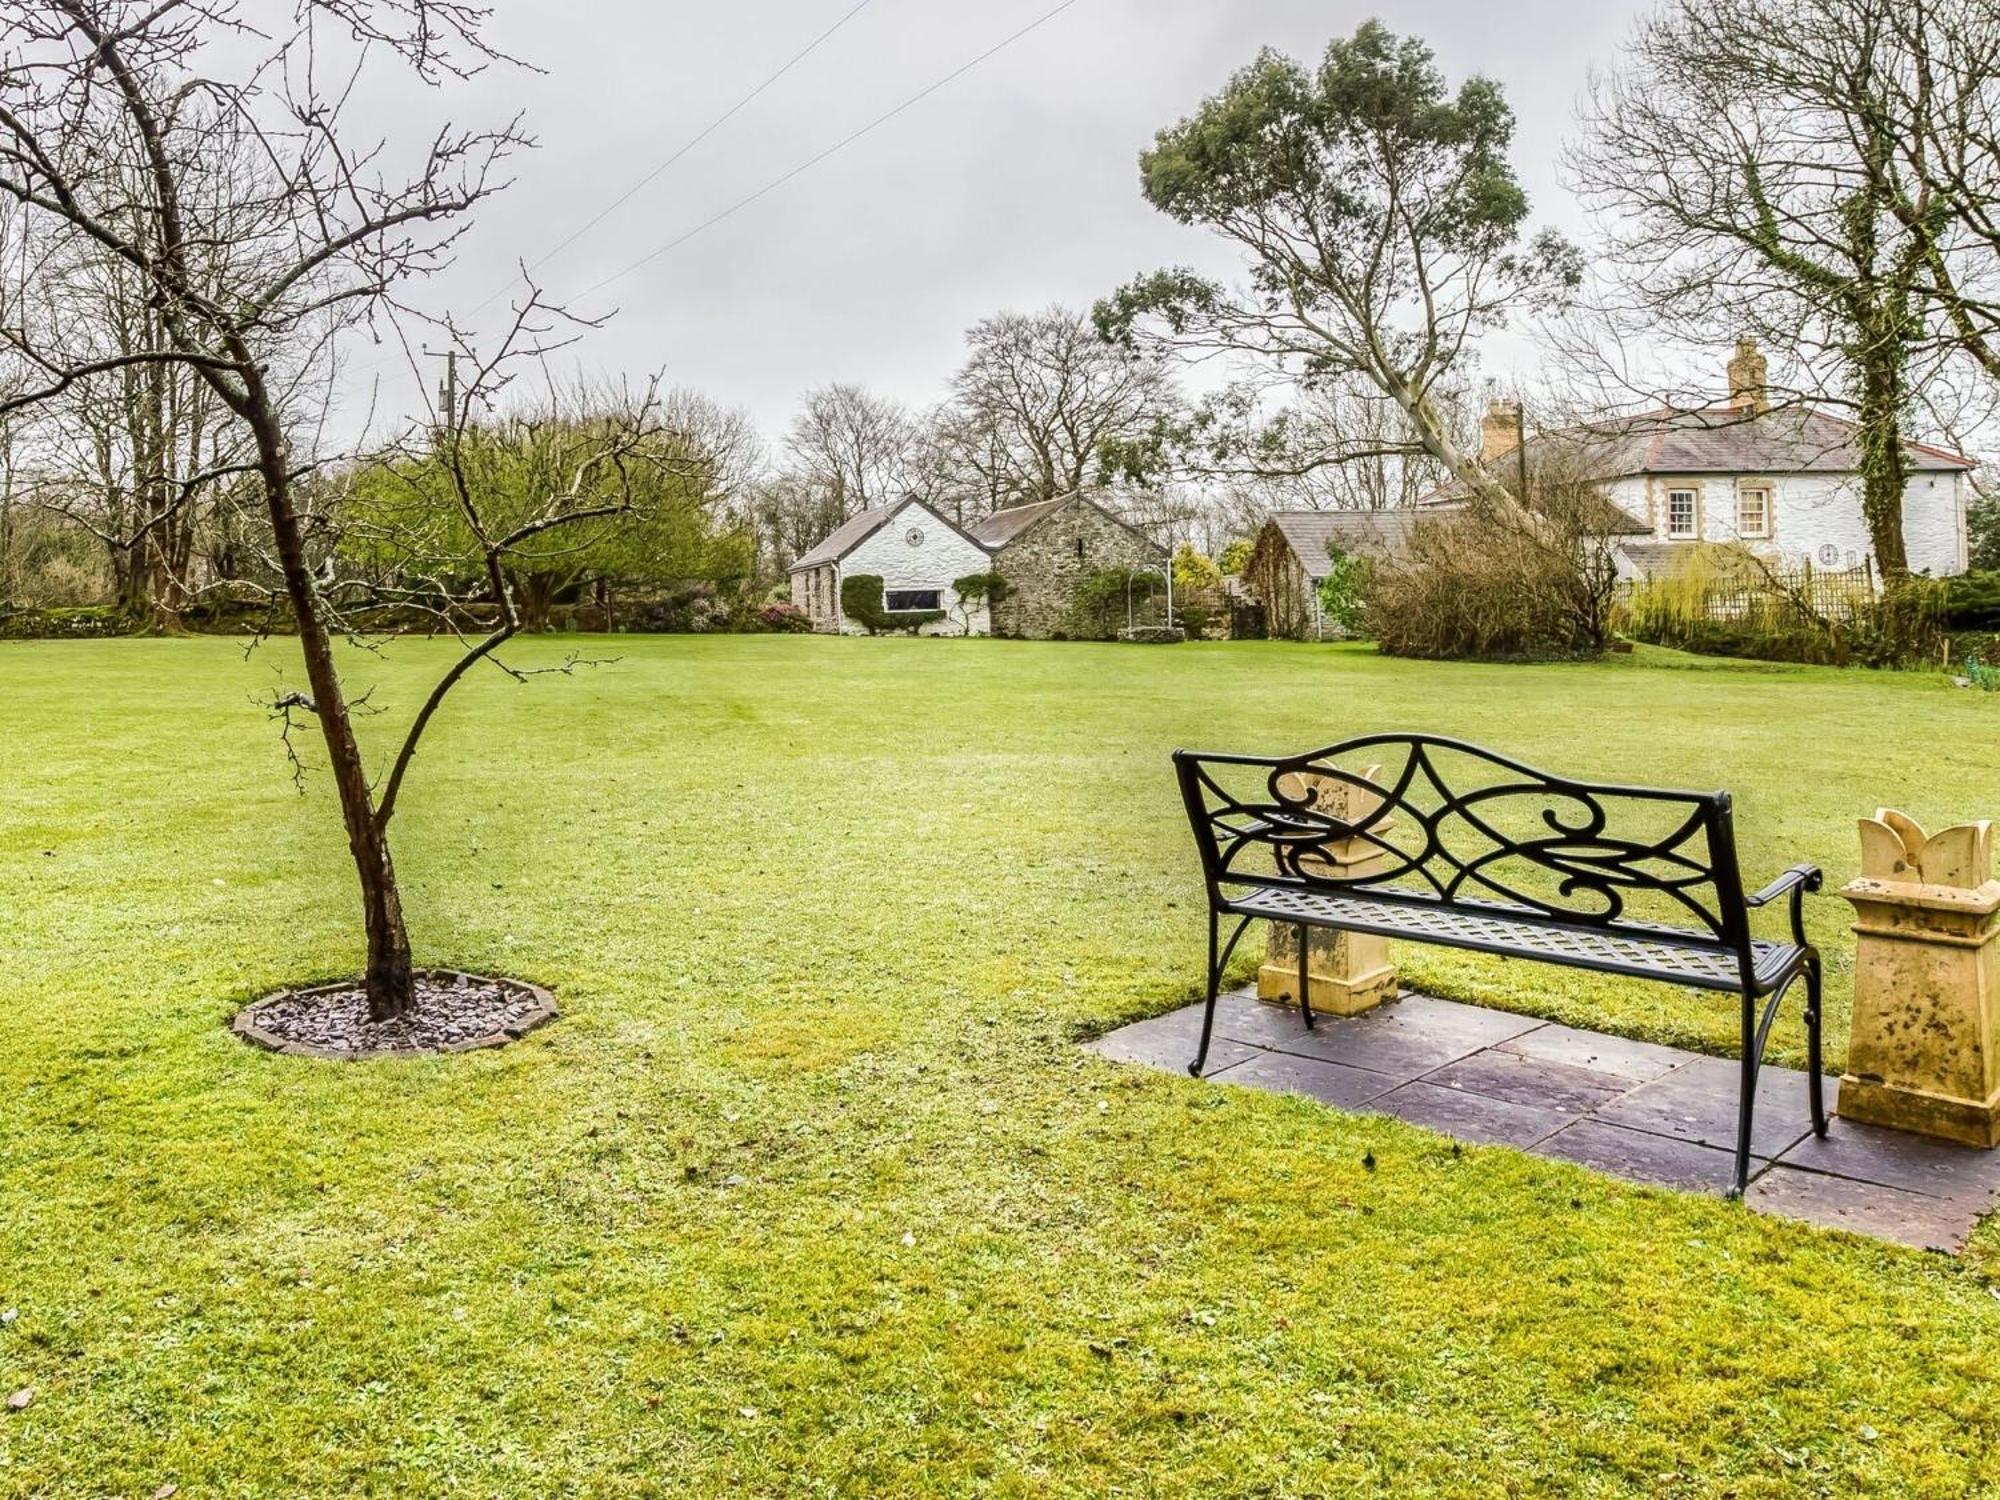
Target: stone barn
x,y
1293,553
1045,550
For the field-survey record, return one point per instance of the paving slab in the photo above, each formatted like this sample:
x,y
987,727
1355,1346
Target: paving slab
x,y
1328,1082
1167,1042
1638,1156
1635,1110
1872,1208
1915,1163
1698,1102
1528,1080
1406,1038
1639,1061
1471,1117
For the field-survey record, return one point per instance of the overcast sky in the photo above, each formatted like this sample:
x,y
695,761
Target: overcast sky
x,y
1014,186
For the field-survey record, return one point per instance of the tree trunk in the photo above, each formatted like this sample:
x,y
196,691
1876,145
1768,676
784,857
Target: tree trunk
x,y
390,978
1884,465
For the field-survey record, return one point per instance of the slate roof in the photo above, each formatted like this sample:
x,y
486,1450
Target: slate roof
x,y
1727,440
1003,526
1000,528
848,535
1656,559
1360,533
1715,440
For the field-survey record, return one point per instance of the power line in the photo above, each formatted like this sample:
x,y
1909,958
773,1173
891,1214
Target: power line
x,y
714,125
839,145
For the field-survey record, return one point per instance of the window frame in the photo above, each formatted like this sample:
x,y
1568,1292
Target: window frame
x,y
1693,533
936,594
1770,493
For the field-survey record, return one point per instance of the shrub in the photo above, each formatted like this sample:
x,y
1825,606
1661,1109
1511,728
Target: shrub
x,y
861,602
1971,601
1982,526
978,588
1342,591
1529,581
1726,601
784,618
1194,571
1235,557
1098,607
1194,621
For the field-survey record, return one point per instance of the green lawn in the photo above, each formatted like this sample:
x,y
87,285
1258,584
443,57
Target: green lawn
x,y
810,1191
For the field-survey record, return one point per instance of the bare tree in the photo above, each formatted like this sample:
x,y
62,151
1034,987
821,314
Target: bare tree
x,y
856,449
1041,397
318,231
1757,174
1380,220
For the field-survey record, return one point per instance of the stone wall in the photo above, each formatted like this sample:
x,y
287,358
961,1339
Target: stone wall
x,y
817,592
1045,563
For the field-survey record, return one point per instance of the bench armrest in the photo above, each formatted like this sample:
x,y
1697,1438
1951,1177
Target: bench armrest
x,y
1797,881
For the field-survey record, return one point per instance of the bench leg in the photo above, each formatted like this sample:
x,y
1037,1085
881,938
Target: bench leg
x,y
1746,1104
1214,984
1815,1085
1305,975
1217,962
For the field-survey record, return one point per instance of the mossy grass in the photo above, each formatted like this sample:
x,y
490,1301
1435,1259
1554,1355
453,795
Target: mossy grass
x,y
811,1191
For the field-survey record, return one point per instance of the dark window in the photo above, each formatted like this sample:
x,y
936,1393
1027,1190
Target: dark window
x,y
901,599
1079,546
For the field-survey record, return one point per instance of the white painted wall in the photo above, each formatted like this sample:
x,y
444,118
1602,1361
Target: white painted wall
x,y
931,563
1810,512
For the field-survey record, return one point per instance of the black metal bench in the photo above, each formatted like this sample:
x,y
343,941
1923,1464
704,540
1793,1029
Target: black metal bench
x,y
1432,840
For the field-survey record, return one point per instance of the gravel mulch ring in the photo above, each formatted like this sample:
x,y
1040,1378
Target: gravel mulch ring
x,y
454,1013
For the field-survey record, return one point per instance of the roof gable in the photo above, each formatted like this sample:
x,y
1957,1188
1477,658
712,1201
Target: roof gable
x,y
1361,533
860,526
1004,527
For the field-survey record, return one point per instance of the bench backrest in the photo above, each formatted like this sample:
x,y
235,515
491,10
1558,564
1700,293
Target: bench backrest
x,y
1424,819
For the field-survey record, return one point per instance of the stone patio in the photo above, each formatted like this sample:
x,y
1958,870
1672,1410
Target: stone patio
x,y
1647,1113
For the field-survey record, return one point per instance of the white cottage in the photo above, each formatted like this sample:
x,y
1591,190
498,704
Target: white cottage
x,y
917,554
1782,481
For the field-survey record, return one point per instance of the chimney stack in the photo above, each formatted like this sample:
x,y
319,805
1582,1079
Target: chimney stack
x,y
1746,378
1499,431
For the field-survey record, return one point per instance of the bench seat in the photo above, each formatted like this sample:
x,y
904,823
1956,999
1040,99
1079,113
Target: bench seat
x,y
1641,951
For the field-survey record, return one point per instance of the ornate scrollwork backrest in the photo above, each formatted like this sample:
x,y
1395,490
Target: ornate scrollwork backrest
x,y
1424,818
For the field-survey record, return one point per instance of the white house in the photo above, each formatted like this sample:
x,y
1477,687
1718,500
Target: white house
x,y
917,554
1782,481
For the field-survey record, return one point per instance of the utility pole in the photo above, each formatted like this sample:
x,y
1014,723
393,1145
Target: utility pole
x,y
448,387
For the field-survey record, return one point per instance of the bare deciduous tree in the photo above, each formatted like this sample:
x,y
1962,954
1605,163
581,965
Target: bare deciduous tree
x,y
1761,171
1038,401
313,231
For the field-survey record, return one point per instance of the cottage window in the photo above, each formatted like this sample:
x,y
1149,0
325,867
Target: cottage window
x,y
903,599
1681,516
1753,511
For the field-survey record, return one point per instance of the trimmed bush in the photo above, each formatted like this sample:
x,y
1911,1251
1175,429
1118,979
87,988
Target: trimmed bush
x,y
861,602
